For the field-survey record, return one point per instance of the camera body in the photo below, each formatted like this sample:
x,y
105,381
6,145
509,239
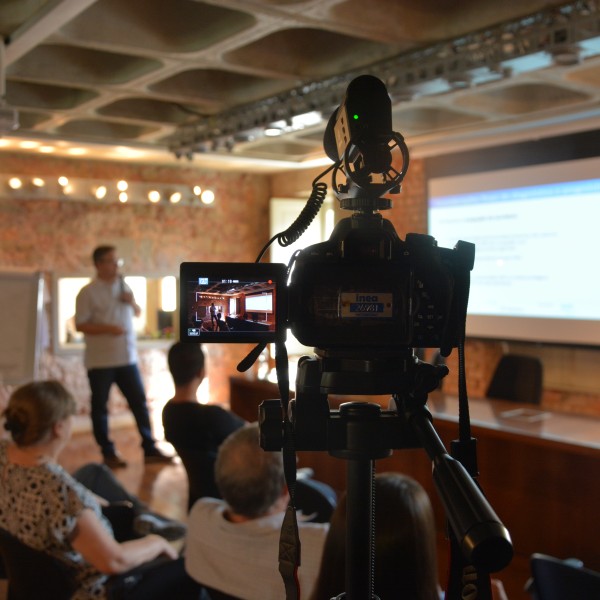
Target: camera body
x,y
365,288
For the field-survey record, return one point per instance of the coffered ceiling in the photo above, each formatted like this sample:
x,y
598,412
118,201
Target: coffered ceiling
x,y
209,80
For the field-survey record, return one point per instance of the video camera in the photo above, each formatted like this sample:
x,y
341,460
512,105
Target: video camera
x,y
365,289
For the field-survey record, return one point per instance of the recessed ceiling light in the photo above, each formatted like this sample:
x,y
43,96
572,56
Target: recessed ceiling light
x,y
15,183
38,182
100,192
47,149
76,151
123,197
27,144
122,185
63,181
175,197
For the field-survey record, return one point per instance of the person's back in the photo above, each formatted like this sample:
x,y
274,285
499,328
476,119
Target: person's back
x,y
195,430
233,545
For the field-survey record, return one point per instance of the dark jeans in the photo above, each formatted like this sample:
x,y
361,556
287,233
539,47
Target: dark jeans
x,y
130,383
101,480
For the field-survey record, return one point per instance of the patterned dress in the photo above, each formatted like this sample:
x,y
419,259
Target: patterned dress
x,y
40,505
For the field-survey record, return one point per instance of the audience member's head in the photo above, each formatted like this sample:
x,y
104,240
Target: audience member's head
x,y
186,362
251,481
405,544
33,410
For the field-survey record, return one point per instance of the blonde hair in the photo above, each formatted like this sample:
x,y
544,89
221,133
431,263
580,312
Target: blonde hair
x,y
34,408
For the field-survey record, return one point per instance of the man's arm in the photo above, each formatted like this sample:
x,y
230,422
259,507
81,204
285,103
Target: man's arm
x,y
99,328
127,298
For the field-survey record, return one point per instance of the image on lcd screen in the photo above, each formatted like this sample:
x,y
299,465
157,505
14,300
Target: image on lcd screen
x,y
227,307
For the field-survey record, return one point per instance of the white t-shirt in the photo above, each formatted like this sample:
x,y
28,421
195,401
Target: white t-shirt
x,y
98,302
241,559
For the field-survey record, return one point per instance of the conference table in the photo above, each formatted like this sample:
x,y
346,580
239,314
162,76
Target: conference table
x,y
540,471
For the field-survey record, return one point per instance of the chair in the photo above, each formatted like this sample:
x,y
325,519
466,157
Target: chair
x,y
517,378
53,579
555,579
315,499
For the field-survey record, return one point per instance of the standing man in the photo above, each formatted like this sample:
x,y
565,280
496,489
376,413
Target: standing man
x,y
104,314
213,316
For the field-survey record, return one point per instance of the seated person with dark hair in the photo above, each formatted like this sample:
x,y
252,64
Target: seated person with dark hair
x,y
195,430
221,325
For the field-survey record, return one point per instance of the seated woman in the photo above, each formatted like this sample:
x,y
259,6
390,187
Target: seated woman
x,y
405,544
48,510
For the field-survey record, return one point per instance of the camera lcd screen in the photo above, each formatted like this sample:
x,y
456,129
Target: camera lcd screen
x,y
232,302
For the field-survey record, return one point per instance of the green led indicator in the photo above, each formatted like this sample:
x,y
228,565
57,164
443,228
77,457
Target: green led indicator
x,y
355,117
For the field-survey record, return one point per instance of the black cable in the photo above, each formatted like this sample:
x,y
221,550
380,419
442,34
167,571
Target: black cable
x,y
305,218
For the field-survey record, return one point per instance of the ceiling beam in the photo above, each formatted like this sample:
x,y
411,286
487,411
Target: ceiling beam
x,y
43,24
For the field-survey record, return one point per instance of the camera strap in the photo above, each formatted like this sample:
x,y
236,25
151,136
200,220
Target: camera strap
x,y
464,580
289,539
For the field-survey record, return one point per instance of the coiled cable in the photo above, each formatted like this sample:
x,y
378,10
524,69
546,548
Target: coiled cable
x,y
306,216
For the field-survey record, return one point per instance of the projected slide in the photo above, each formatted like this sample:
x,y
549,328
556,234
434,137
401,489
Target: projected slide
x,y
535,232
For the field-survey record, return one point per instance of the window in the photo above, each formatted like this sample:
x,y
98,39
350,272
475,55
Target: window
x,y
157,298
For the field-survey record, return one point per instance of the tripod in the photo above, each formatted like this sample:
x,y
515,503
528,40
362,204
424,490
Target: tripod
x,y
361,432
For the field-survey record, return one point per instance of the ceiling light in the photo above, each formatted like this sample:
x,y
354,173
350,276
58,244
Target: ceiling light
x,y
123,197
207,196
197,190
68,189
63,181
273,131
175,197
38,182
28,144
15,183
307,119
100,192
154,196
47,149
122,185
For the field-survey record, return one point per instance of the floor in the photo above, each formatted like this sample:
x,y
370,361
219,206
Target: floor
x,y
162,487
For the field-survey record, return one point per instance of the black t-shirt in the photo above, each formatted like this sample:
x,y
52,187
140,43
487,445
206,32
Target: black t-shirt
x,y
198,426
